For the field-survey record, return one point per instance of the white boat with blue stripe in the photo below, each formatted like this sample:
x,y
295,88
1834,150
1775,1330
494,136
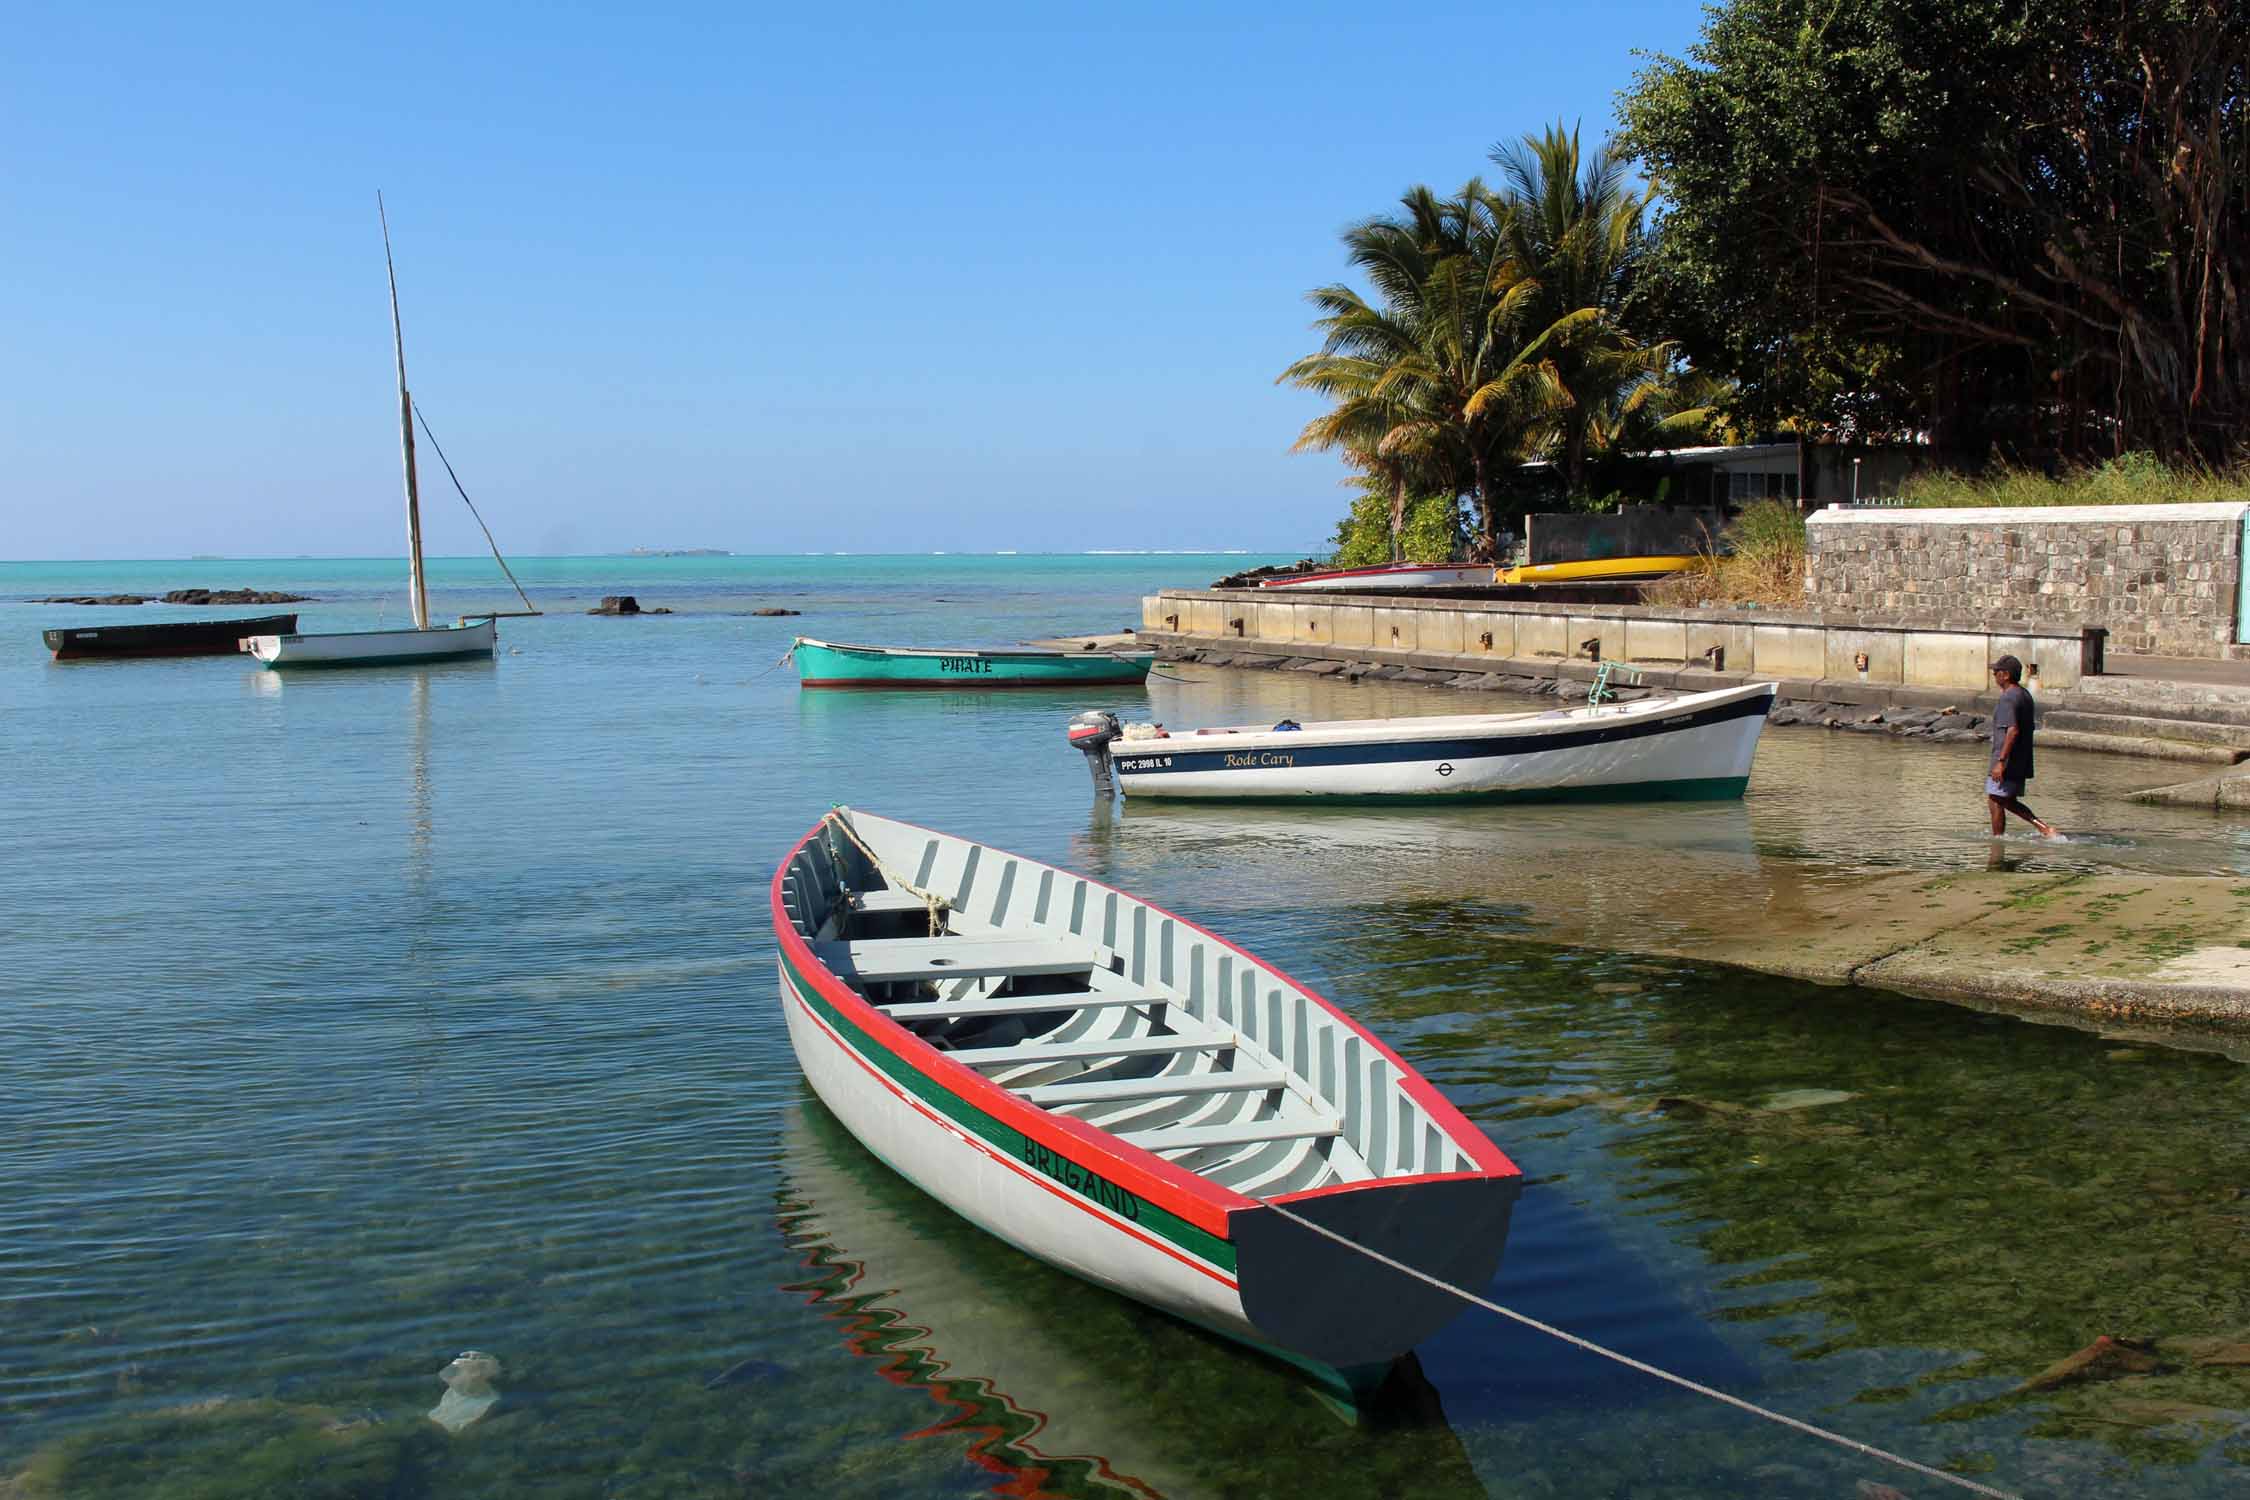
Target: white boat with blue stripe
x,y
1681,747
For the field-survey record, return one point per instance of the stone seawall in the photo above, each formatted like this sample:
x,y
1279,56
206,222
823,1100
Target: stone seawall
x,y
2162,580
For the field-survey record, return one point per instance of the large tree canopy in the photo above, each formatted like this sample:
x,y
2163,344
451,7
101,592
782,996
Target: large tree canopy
x,y
2021,224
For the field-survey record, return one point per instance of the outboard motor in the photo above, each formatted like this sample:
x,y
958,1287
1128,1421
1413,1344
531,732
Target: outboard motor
x,y
1092,732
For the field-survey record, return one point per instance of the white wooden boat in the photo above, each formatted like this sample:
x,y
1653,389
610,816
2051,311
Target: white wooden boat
x,y
368,648
472,636
1130,1097
1682,747
1388,576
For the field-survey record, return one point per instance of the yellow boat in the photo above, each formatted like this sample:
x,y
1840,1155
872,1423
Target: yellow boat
x,y
1595,570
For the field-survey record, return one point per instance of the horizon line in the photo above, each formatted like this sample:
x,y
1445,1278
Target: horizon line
x,y
661,557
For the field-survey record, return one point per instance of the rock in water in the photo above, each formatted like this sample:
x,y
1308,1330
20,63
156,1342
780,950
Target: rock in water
x,y
234,596
746,1372
2226,1350
772,613
2105,1358
469,1393
616,604
1789,1099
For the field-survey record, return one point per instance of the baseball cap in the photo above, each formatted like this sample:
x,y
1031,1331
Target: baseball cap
x,y
2009,665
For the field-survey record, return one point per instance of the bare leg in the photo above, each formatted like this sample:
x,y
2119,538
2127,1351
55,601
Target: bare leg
x,y
1999,814
2015,805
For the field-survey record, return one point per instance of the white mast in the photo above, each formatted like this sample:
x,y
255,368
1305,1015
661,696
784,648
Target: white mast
x,y
420,593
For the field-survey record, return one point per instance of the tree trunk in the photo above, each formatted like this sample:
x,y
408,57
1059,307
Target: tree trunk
x,y
1486,547
1398,516
1574,454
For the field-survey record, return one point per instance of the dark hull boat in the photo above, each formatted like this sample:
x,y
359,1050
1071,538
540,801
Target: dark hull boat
x,y
182,638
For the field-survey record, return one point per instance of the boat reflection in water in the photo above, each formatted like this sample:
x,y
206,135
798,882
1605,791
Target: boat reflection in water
x,y
1058,1388
1577,872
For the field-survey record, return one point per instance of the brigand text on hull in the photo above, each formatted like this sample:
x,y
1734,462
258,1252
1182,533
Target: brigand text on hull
x,y
1694,746
1163,1095
174,638
829,664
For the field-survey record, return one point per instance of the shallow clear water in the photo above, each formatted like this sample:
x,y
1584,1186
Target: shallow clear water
x,y
352,1021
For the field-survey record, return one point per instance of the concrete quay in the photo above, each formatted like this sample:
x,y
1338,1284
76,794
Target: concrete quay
x,y
1853,671
2166,954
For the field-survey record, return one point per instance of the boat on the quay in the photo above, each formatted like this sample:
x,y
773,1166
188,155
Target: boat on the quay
x,y
1130,1097
1689,746
1387,577
174,638
832,664
473,635
1596,570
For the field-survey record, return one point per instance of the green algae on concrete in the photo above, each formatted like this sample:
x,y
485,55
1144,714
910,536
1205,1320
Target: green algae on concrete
x,y
2131,947
2139,947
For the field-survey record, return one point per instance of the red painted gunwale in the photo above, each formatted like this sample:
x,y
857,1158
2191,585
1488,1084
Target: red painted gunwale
x,y
1197,1200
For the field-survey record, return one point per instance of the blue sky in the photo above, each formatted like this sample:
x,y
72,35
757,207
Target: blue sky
x,y
854,277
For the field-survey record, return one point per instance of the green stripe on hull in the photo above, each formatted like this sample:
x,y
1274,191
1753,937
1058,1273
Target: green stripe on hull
x,y
822,666
1143,1214
1698,789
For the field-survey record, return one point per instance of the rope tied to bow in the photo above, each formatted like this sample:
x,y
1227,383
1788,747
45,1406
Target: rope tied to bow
x,y
938,905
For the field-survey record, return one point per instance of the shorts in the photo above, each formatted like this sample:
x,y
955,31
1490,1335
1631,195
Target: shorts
x,y
2002,788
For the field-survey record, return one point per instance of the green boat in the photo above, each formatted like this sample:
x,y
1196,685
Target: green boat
x,y
829,664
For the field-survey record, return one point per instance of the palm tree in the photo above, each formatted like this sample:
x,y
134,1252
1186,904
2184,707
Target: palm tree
x,y
1409,370
1673,408
1574,250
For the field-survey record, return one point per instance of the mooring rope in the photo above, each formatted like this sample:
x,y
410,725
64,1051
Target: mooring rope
x,y
1865,1450
778,663
465,500
938,905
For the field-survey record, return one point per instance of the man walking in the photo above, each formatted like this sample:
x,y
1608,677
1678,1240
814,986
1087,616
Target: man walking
x,y
2013,723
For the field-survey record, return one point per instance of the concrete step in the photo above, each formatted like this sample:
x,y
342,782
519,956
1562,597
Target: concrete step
x,y
2225,790
2146,746
2098,695
2236,736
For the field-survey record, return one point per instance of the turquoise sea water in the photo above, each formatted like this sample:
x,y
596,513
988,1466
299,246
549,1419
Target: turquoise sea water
x,y
354,1020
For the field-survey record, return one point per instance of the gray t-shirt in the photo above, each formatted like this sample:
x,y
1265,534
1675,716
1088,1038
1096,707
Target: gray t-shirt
x,y
2015,711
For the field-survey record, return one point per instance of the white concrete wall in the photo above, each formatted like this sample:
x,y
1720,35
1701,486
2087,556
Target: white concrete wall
x,y
1456,632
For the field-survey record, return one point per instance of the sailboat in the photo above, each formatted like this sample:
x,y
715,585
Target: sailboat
x,y
472,635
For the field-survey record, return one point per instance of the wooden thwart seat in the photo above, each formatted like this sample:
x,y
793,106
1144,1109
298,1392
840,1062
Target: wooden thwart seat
x,y
1054,1052
885,960
1008,1005
1162,1085
877,903
1196,1137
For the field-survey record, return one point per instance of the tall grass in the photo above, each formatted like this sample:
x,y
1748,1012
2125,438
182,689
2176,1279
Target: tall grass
x,y
1760,560
2131,479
